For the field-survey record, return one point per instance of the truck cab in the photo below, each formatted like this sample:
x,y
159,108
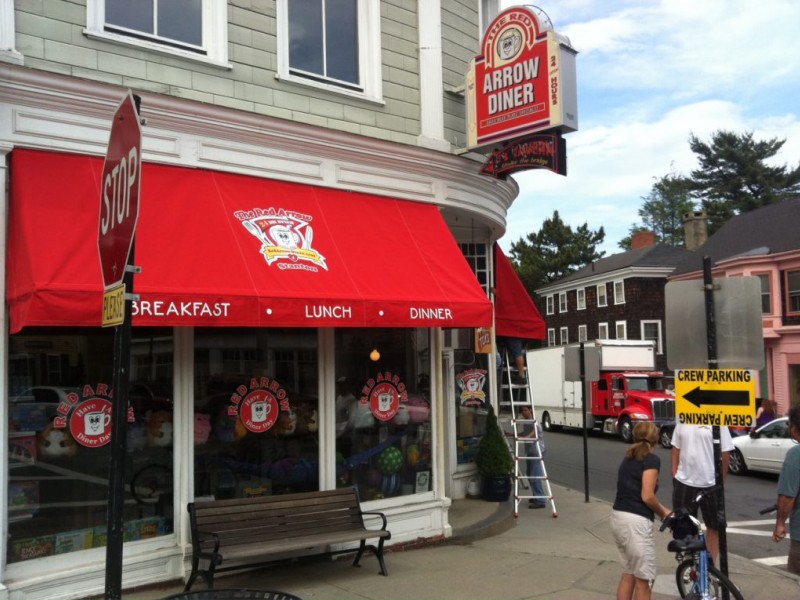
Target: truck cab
x,y
622,399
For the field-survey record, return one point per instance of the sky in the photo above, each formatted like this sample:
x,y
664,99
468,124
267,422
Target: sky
x,y
650,74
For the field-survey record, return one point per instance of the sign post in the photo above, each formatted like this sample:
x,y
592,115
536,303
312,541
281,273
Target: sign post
x,y
119,214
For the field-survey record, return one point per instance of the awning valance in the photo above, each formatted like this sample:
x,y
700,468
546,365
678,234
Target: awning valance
x,y
218,249
515,313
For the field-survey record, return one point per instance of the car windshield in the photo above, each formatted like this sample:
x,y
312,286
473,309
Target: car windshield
x,y
646,384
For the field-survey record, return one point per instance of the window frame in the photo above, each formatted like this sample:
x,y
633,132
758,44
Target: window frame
x,y
583,334
624,325
369,54
580,298
659,339
600,328
550,303
619,296
551,337
768,294
562,302
604,295
563,336
790,294
213,51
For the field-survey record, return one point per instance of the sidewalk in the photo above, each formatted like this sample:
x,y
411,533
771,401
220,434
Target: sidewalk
x,y
493,555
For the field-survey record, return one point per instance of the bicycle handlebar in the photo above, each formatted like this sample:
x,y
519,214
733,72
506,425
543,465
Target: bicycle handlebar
x,y
772,508
685,512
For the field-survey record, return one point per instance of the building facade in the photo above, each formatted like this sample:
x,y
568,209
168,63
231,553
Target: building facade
x,y
305,308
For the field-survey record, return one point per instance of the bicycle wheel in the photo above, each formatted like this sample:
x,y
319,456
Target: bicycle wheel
x,y
687,576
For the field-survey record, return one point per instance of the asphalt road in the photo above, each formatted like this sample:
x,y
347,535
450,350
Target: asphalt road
x,y
748,533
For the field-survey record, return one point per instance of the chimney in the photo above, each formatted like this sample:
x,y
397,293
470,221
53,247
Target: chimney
x,y
643,239
695,229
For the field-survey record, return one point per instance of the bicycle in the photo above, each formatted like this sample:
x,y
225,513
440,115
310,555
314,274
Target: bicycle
x,y
697,578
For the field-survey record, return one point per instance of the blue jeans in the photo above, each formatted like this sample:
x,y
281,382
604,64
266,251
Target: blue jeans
x,y
536,469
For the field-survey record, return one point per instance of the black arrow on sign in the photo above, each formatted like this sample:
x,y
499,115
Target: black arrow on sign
x,y
700,397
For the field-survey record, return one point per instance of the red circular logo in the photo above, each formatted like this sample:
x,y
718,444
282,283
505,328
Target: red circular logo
x,y
384,400
259,411
90,423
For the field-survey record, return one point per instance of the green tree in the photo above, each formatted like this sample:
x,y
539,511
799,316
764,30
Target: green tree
x,y
734,176
554,251
663,209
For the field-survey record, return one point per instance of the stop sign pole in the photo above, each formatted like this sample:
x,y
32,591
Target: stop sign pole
x,y
119,214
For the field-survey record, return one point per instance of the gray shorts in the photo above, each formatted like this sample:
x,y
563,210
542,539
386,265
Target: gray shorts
x,y
636,544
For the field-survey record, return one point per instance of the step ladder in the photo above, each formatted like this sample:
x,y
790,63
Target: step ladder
x,y
526,439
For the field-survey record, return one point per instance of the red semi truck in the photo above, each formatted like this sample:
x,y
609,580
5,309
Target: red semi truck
x,y
628,390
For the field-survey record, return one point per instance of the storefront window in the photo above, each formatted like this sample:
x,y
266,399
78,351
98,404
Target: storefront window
x,y
60,394
255,412
383,412
472,401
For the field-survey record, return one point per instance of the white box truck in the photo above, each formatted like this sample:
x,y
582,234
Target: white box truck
x,y
628,390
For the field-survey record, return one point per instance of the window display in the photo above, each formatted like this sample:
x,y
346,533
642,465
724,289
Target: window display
x,y
383,412
60,402
255,412
472,402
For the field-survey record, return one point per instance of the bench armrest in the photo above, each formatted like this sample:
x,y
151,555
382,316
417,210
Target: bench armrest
x,y
377,514
203,537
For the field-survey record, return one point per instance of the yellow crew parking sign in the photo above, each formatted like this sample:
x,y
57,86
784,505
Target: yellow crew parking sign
x,y
723,397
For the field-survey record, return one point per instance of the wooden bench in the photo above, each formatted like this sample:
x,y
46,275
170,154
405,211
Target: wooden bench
x,y
249,531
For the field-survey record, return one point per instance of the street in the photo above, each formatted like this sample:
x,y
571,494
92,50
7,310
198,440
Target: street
x,y
749,534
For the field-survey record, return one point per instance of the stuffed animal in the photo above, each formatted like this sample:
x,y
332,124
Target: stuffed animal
x,y
56,443
159,429
228,428
287,422
202,428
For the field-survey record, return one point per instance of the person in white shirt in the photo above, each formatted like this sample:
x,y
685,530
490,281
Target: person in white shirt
x,y
693,471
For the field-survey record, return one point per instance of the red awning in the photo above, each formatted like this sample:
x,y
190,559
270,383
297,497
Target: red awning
x,y
515,313
219,249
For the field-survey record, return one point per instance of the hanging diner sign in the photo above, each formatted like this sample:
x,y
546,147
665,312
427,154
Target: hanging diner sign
x,y
541,151
524,81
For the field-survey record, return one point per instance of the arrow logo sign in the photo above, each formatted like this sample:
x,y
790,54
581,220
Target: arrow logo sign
x,y
715,397
700,397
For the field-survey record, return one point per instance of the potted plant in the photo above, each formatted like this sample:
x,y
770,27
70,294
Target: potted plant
x,y
494,462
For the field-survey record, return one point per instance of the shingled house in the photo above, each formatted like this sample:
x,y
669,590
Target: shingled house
x,y
617,297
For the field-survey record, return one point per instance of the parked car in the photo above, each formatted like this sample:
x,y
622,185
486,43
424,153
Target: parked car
x,y
763,450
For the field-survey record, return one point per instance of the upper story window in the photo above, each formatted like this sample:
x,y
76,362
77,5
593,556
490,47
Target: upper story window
x,y
580,296
619,292
477,257
621,329
550,305
602,297
766,293
564,335
602,331
194,29
331,44
793,292
651,330
551,337
562,302
582,337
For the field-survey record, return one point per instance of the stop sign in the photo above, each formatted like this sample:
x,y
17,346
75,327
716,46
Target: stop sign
x,y
119,192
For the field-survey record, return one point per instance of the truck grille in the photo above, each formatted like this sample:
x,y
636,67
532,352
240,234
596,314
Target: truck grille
x,y
664,409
